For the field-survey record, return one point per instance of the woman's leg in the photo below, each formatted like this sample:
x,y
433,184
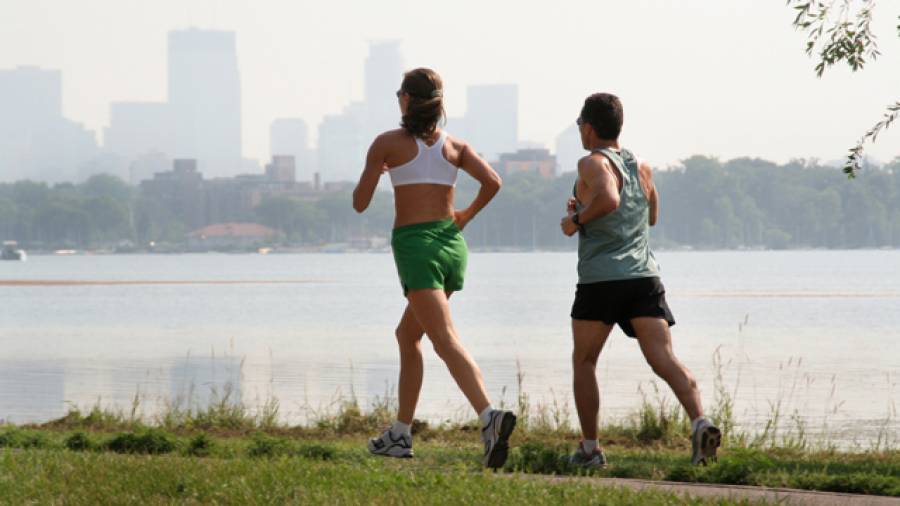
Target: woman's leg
x,y
409,339
432,312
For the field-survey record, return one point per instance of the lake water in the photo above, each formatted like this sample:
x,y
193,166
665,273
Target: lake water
x,y
811,334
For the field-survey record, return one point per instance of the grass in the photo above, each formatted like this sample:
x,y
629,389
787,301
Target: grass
x,y
82,478
653,445
226,452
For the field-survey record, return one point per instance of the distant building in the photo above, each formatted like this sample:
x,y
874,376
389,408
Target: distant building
x,y
342,144
205,97
36,141
139,128
492,118
384,69
179,191
234,199
145,166
282,169
569,149
530,161
290,136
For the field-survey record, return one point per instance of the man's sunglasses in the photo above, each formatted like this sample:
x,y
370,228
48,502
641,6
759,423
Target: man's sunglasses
x,y
579,121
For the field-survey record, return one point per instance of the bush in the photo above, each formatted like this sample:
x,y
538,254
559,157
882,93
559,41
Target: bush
x,y
79,442
16,438
200,445
266,446
316,452
152,441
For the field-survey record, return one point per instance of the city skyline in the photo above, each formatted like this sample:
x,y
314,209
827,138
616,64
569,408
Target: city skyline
x,y
682,96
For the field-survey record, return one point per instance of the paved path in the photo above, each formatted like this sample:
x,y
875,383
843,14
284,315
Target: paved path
x,y
786,496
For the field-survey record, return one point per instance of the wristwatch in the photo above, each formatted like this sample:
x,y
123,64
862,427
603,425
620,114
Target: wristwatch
x,y
575,220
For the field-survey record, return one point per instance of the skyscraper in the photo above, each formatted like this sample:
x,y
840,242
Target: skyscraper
x,y
290,136
342,147
383,74
36,141
139,128
569,149
205,97
492,118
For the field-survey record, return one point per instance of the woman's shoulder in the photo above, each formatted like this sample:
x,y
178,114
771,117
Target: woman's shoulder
x,y
454,141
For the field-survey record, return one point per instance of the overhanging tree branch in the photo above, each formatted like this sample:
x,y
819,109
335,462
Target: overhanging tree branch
x,y
841,31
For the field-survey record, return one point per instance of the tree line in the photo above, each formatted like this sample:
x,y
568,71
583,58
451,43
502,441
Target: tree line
x,y
705,203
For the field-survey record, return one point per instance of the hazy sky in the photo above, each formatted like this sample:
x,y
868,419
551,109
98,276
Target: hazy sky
x,y
720,77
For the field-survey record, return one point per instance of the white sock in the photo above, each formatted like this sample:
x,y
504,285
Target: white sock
x,y
399,428
590,445
485,415
698,422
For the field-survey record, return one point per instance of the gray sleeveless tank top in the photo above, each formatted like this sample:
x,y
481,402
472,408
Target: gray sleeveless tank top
x,y
616,246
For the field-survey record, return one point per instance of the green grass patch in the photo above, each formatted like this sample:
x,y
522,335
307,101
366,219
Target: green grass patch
x,y
87,478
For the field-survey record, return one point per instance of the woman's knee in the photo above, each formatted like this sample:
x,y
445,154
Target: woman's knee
x,y
407,338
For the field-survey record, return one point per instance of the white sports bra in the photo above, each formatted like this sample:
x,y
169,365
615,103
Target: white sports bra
x,y
429,166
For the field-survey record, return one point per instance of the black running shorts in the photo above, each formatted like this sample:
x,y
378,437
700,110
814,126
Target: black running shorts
x,y
617,302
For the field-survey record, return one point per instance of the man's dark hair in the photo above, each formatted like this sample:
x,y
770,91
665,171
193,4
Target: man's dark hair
x,y
603,111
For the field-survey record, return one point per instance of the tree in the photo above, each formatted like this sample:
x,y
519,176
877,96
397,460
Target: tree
x,y
841,31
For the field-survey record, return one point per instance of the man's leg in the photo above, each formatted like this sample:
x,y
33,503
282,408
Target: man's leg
x,y
656,345
589,338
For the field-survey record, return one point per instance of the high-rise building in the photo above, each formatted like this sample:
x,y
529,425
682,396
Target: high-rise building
x,y
568,149
383,74
342,145
36,141
205,97
492,118
138,128
290,136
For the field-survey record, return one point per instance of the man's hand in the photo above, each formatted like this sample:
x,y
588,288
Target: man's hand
x,y
568,226
461,218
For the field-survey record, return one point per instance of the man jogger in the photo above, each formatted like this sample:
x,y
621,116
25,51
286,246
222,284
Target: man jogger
x,y
614,204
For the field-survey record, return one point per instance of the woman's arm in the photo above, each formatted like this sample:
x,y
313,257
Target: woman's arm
x,y
368,181
479,169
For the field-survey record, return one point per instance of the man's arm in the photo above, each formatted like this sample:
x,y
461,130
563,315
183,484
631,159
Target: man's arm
x,y
649,187
368,181
602,195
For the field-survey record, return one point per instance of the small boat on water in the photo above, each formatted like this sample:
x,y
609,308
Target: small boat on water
x,y
11,251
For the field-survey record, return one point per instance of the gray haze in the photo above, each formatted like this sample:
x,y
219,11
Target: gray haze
x,y
722,78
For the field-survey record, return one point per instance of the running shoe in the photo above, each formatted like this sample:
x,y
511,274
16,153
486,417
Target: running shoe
x,y
583,459
704,442
496,438
390,446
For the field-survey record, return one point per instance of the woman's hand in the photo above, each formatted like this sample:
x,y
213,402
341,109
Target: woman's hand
x,y
570,205
461,218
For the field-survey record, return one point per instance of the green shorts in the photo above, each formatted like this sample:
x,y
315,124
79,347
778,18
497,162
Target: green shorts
x,y
430,255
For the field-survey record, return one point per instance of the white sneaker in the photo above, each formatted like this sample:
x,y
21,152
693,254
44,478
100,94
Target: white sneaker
x,y
593,460
495,436
390,446
704,442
